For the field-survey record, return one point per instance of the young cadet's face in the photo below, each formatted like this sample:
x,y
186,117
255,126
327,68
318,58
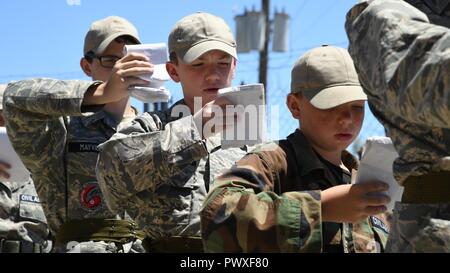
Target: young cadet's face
x,y
204,76
101,73
330,130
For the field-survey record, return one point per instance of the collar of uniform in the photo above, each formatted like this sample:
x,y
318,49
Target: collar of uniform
x,y
180,104
107,118
97,116
349,161
212,143
308,158
304,153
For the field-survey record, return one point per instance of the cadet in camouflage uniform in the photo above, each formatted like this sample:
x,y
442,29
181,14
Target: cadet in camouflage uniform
x,y
295,195
403,62
55,127
23,227
160,167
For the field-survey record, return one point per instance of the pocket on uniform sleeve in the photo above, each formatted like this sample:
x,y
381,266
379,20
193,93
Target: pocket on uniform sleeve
x,y
30,208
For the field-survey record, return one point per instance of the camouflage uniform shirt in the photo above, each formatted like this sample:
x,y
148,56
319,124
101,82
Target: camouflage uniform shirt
x,y
159,170
403,63
21,215
57,142
270,202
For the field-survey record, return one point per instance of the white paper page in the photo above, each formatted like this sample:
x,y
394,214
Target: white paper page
x,y
150,95
251,128
376,164
18,172
157,53
155,91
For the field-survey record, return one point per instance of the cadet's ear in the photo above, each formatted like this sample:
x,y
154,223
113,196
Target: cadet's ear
x,y
234,68
86,66
172,71
293,103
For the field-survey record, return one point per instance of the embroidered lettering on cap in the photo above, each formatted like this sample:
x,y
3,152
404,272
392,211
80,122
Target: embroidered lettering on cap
x,y
29,198
83,147
376,222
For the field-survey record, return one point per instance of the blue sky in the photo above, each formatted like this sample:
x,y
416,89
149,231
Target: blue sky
x,y
45,38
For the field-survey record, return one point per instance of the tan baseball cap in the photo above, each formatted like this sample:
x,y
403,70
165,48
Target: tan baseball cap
x,y
2,90
327,77
104,31
198,33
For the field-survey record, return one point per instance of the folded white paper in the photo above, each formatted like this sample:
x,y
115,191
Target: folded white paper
x,y
157,53
18,172
376,164
150,95
250,129
154,91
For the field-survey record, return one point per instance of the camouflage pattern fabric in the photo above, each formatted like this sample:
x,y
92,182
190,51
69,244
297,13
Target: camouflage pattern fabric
x,y
398,56
159,170
437,11
270,202
420,228
21,215
403,64
57,141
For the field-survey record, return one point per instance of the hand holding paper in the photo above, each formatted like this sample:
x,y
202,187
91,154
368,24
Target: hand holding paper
x,y
250,127
376,164
155,91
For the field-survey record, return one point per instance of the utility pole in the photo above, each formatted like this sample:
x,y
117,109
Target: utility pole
x,y
264,54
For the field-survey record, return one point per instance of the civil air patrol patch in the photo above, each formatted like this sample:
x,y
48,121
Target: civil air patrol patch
x,y
30,208
377,222
29,198
90,196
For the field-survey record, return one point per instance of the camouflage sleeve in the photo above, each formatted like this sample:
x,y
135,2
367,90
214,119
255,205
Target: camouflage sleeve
x,y
243,214
145,154
46,98
21,215
33,110
402,60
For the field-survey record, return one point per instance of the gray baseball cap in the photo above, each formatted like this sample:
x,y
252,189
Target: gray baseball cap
x,y
104,31
327,77
2,90
198,33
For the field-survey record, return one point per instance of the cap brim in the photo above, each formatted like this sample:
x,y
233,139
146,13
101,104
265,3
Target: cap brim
x,y
199,49
102,47
334,96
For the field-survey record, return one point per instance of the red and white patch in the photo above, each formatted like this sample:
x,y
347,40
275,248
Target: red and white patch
x,y
90,196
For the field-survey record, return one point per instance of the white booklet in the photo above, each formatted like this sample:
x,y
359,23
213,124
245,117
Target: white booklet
x,y
155,91
376,164
18,172
249,102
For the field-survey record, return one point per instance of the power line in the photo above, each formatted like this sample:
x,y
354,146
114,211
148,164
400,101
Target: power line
x,y
290,52
311,26
297,12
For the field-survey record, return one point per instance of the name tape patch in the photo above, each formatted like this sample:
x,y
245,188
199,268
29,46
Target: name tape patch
x,y
83,147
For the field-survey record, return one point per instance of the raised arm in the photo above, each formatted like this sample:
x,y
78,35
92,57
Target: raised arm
x,y
146,154
402,60
243,213
34,111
